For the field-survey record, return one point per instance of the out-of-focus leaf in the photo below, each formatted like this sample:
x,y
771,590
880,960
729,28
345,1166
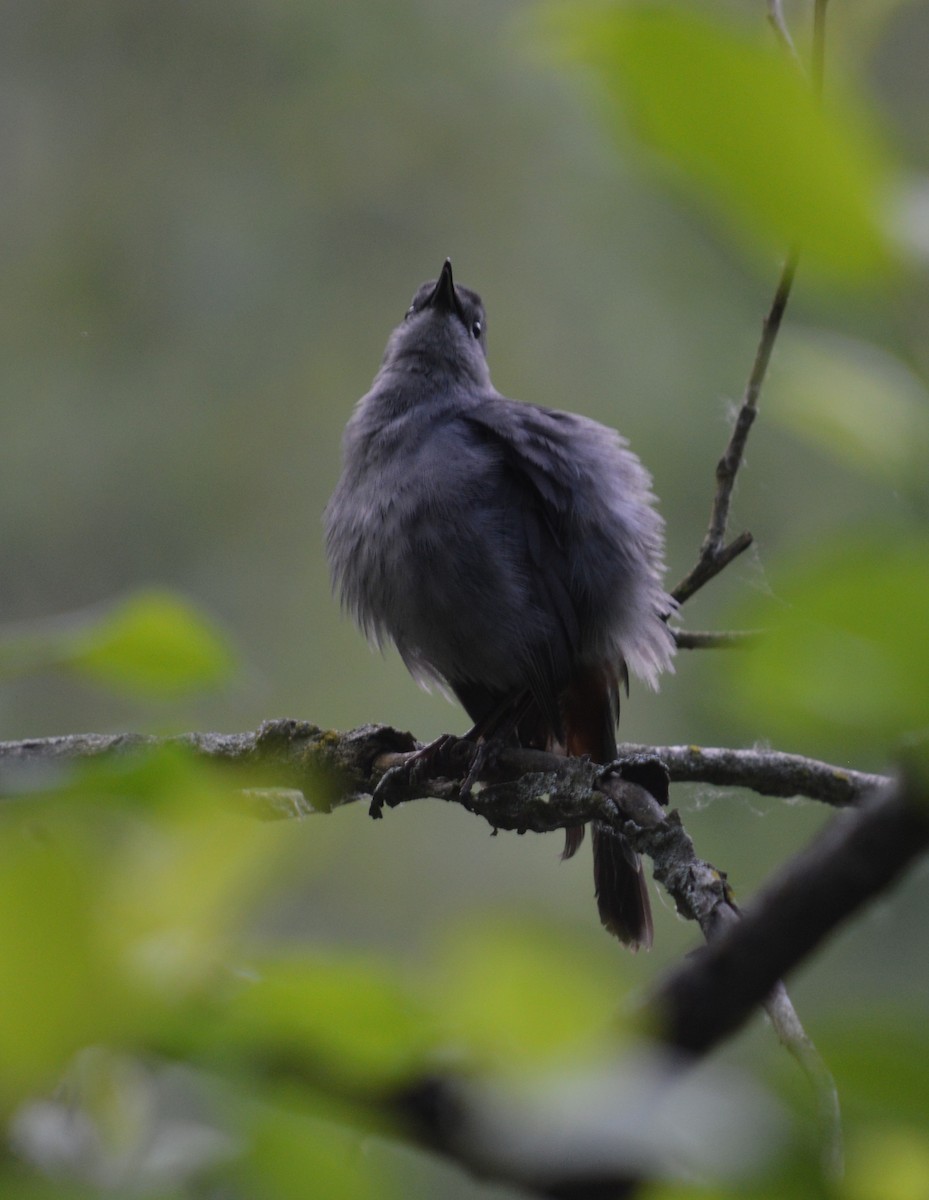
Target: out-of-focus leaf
x,y
856,402
59,990
632,1112
738,123
878,1059
153,643
350,1020
519,995
185,875
844,661
121,900
179,893
14,1185
110,1122
887,1163
295,1154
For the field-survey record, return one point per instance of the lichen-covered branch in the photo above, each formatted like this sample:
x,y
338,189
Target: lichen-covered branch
x,y
768,772
349,764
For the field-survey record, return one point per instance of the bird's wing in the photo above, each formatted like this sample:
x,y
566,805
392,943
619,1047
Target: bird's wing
x,y
532,494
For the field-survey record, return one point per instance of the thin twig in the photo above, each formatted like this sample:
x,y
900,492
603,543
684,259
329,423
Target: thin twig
x,y
782,33
709,565
796,1041
818,58
714,553
733,639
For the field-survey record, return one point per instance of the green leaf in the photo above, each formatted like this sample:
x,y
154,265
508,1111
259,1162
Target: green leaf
x,y
856,402
844,661
739,126
172,901
153,643
516,995
121,903
349,1019
59,988
295,1154
888,1163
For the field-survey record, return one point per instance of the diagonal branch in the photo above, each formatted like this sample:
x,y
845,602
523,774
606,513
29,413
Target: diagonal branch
x,y
715,552
855,858
703,1001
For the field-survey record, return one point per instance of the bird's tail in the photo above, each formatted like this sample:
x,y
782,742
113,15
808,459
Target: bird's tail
x,y
590,712
621,888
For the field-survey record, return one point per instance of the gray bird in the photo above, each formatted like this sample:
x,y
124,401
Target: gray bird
x,y
512,553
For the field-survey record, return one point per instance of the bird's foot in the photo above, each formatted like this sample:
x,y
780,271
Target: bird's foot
x,y
483,758
441,758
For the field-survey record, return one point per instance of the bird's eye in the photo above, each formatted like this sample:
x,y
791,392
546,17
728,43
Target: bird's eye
x,y
477,329
409,312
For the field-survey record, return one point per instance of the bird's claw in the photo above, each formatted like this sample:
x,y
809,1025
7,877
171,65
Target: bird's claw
x,y
430,762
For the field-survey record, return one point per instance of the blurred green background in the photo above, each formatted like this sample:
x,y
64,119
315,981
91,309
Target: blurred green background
x,y
212,216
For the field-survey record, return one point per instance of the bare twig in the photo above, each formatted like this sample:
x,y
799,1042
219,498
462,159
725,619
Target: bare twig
x,y
785,1022
735,639
781,32
715,554
818,58
794,1039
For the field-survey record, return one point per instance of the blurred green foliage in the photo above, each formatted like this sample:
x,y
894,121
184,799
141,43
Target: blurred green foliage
x,y
152,644
859,404
154,1042
737,122
843,667
213,215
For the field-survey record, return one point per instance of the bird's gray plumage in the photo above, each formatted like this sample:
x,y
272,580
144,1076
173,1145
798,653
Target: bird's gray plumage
x,y
503,547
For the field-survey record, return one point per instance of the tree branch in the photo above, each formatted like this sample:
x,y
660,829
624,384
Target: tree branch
x,y
855,858
533,790
703,1001
768,772
348,765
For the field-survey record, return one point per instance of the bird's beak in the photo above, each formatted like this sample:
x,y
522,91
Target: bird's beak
x,y
444,298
